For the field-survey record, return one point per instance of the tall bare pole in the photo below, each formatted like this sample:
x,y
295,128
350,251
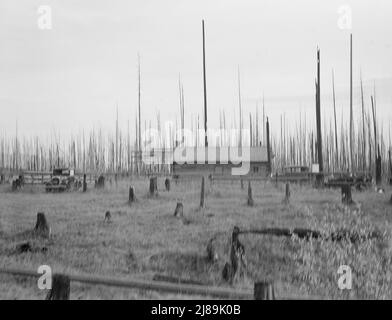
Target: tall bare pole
x,y
205,88
239,105
139,113
363,129
334,114
318,117
351,106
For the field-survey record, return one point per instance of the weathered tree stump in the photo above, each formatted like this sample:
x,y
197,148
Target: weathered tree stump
x,y
61,288
14,185
346,194
237,266
242,184
24,247
179,211
153,186
42,228
167,184
212,255
390,199
264,291
84,183
250,198
202,195
287,194
100,182
108,217
131,195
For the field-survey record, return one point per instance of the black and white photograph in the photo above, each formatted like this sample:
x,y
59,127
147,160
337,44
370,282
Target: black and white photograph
x,y
209,151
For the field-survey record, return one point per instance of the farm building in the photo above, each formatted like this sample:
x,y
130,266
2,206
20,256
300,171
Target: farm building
x,y
220,162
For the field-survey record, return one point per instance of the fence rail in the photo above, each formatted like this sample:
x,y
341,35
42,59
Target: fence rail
x,y
261,291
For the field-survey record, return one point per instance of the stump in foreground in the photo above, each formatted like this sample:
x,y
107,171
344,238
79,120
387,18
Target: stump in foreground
x,y
250,198
212,255
237,266
346,194
41,227
202,195
108,217
264,291
131,195
167,184
179,211
61,287
153,186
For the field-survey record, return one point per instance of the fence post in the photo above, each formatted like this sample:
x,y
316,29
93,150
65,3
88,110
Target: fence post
x,y
61,287
264,291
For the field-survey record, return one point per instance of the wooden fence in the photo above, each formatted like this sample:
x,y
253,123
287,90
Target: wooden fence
x,y
261,290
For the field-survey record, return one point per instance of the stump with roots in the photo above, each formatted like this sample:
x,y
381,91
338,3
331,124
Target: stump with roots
x,y
212,255
264,291
131,195
346,194
41,227
167,184
153,186
179,211
202,195
108,217
237,266
287,194
250,198
61,287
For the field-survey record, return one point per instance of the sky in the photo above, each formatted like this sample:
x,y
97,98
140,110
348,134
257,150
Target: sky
x,y
72,76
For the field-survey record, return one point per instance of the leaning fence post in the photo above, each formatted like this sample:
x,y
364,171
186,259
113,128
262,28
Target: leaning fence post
x,y
61,287
264,291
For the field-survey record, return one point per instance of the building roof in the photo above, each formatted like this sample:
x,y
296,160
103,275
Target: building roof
x,y
220,154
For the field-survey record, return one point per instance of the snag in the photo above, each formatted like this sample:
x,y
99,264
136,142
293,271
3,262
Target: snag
x,y
41,227
153,186
346,194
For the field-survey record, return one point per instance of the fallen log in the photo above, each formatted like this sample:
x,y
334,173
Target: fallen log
x,y
339,235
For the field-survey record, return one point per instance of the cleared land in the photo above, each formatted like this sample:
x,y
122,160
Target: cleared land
x,y
145,239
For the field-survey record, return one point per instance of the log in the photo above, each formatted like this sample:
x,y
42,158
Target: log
x,y
264,291
346,194
61,287
153,186
41,227
202,193
250,198
165,278
179,211
339,235
131,195
167,184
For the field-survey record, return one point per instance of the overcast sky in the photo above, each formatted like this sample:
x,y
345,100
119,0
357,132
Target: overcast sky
x,y
72,76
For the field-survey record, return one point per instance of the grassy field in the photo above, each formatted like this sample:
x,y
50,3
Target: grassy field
x,y
145,238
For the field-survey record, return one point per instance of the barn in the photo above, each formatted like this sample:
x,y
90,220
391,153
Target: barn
x,y
220,162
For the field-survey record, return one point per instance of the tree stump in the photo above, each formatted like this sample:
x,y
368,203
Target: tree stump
x,y
346,194
179,211
101,182
131,195
202,195
108,217
390,200
288,194
242,184
153,186
212,255
61,287
167,184
264,291
84,183
41,227
237,266
14,185
250,198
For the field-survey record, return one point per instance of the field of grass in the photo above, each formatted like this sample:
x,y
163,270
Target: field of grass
x,y
145,238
